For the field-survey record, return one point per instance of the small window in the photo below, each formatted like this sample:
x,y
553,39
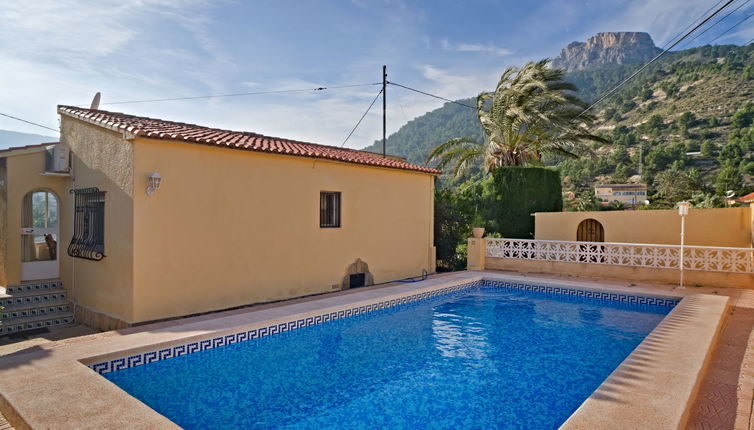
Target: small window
x,y
329,210
88,239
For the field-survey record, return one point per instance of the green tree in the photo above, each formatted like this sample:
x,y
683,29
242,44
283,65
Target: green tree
x,y
452,227
676,185
744,116
655,123
729,179
686,121
621,174
709,149
646,93
588,202
532,111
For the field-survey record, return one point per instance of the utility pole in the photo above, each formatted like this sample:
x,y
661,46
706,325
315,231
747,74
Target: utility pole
x,y
384,111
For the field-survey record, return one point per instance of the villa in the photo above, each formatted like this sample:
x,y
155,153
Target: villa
x,y
135,219
602,320
628,194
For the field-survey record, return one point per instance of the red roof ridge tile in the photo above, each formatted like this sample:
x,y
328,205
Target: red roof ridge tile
x,y
155,128
31,146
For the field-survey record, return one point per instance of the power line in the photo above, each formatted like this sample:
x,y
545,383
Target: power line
x,y
401,105
28,122
432,95
692,23
752,40
362,117
665,51
716,22
239,94
734,26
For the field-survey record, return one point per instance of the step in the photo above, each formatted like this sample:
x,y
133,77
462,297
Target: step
x,y
36,322
26,287
32,298
43,308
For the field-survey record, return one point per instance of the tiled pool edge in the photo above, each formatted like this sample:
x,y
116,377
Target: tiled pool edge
x,y
131,358
35,383
665,395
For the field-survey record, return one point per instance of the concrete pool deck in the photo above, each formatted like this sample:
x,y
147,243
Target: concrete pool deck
x,y
47,386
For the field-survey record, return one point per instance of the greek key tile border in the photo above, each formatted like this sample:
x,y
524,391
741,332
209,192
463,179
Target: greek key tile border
x,y
179,350
588,294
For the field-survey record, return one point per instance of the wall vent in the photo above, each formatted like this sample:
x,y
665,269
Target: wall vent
x,y
357,280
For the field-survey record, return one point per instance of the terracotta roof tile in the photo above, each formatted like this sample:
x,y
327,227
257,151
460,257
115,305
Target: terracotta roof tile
x,y
749,198
169,130
36,145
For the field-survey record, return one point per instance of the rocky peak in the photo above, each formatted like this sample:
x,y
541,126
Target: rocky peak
x,y
604,48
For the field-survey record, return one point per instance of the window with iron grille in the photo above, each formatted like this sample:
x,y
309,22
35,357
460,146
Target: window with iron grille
x,y
329,210
88,239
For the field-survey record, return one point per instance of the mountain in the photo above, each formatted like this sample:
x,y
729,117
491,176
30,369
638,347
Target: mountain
x,y
10,138
606,48
689,110
418,137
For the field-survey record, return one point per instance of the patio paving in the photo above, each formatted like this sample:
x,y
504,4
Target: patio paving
x,y
725,396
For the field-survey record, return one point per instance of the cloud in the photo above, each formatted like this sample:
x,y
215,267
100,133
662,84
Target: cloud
x,y
471,47
458,85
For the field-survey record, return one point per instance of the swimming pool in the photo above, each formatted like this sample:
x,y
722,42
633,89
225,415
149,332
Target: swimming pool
x,y
488,355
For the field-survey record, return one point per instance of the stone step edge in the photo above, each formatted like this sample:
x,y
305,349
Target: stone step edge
x,y
33,293
21,288
37,318
6,316
17,327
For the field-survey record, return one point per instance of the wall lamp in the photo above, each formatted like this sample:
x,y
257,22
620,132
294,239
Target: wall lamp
x,y
154,183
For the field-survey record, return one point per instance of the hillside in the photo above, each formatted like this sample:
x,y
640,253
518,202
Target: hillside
x,y
416,138
686,112
680,112
14,138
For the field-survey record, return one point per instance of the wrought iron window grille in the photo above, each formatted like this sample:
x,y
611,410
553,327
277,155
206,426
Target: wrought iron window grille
x,y
88,239
329,209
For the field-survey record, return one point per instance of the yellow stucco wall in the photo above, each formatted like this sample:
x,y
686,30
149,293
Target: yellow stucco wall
x,y
228,227
101,159
730,227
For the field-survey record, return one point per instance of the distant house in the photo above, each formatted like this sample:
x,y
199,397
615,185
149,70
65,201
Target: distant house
x,y
628,194
137,219
747,199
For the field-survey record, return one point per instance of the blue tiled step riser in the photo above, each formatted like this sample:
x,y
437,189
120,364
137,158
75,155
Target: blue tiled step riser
x,y
177,351
13,328
7,314
32,287
27,301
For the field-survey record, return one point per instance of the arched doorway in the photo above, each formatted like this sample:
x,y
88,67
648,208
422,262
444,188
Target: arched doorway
x,y
39,236
590,230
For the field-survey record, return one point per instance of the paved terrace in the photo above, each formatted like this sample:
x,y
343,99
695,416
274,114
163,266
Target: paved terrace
x,y
724,400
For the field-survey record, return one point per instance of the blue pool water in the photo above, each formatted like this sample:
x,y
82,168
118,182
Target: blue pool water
x,y
481,358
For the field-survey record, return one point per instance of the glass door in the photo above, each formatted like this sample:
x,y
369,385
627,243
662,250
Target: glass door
x,y
39,236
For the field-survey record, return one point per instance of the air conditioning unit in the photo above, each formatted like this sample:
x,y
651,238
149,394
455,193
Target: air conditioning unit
x,y
57,159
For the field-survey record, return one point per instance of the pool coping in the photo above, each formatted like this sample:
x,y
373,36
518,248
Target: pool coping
x,y
34,384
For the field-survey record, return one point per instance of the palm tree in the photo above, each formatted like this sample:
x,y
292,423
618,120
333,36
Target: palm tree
x,y
531,112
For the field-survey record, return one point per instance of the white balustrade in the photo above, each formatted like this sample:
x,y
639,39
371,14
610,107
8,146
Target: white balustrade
x,y
706,258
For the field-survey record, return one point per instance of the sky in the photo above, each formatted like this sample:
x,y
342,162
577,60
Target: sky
x,y
64,51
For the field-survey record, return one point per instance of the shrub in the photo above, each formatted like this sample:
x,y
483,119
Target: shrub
x,y
512,194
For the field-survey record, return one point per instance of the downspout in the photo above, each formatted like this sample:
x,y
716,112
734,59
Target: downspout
x,y
73,227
